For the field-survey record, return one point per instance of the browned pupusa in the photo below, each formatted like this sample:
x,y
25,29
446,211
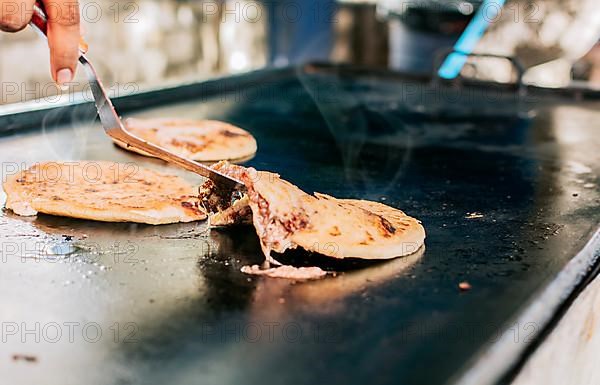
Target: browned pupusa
x,y
203,140
102,191
286,217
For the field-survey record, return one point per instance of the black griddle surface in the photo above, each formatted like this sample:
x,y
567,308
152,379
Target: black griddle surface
x,y
174,308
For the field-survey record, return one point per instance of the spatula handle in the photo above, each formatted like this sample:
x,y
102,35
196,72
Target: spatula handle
x,y
39,21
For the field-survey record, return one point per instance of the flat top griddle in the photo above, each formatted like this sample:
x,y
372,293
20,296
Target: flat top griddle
x,y
168,304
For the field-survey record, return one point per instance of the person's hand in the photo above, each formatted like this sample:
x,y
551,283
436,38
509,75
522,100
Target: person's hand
x,y
63,31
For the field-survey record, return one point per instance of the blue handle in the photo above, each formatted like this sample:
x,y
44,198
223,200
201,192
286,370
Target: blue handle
x,y
465,44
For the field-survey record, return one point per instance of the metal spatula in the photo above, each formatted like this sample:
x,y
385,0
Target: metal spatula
x,y
112,123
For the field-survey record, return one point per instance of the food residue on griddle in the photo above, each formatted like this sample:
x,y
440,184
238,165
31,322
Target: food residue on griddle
x,y
464,286
24,357
286,271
